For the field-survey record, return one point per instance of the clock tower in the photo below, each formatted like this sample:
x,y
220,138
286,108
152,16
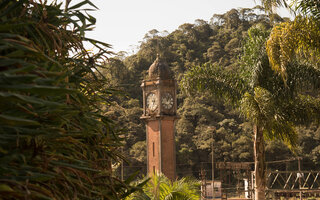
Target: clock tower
x,y
160,113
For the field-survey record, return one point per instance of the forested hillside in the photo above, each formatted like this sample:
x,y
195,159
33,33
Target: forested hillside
x,y
216,42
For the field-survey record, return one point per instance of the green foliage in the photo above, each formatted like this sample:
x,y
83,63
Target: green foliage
x,y
160,187
55,144
309,7
263,110
294,41
214,48
262,96
304,7
201,119
126,114
225,84
270,5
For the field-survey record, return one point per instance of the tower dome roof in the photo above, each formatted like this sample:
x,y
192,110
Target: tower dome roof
x,y
159,69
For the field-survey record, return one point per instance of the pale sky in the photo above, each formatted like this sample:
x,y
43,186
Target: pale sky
x,y
123,23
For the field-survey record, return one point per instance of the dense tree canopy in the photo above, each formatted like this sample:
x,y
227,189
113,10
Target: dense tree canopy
x,y
217,42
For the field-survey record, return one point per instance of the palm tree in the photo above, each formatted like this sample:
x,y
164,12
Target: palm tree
x,y
160,187
293,47
297,40
263,97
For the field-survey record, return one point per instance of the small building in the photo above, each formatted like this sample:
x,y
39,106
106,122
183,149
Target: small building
x,y
206,190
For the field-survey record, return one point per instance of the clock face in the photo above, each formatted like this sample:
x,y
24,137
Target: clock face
x,y
167,101
152,101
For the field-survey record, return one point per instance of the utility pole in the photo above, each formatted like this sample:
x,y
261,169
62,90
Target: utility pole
x,y
212,161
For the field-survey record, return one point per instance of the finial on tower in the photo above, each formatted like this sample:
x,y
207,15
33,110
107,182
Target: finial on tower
x,y
159,69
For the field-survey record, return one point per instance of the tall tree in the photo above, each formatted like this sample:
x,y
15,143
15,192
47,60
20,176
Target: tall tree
x,y
55,144
263,97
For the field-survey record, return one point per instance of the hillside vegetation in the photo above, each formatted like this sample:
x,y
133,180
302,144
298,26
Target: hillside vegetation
x,y
219,42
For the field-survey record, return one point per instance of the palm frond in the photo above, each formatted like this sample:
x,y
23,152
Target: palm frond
x,y
224,85
54,142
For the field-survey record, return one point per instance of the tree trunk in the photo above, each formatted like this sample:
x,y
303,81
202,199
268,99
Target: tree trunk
x,y
259,164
